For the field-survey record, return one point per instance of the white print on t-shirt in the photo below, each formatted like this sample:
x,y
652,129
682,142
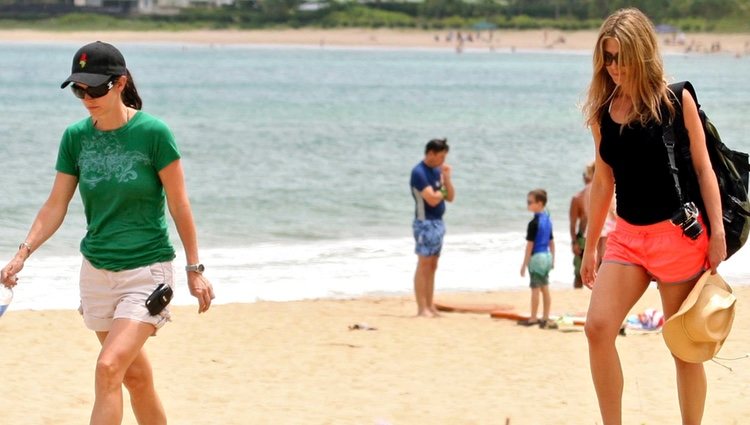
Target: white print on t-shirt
x,y
103,158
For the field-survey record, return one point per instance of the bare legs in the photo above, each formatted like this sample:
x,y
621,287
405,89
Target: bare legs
x,y
546,302
616,290
601,248
691,377
534,304
122,361
424,285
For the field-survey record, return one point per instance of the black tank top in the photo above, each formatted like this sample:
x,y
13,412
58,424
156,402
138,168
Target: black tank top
x,y
643,183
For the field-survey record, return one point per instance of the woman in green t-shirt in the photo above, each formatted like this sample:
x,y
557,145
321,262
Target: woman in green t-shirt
x,y
127,168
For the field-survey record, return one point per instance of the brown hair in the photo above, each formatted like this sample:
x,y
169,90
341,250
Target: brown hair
x,y
130,95
540,195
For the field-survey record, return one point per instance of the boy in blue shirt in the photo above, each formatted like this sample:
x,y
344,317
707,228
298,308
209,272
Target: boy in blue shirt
x,y
539,258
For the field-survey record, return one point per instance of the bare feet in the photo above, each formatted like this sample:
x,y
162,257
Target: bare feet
x,y
431,312
528,322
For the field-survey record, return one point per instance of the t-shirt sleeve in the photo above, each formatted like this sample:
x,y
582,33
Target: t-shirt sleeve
x,y
531,230
165,148
66,158
419,179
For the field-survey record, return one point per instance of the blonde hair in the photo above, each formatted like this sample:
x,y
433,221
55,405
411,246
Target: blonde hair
x,y
639,55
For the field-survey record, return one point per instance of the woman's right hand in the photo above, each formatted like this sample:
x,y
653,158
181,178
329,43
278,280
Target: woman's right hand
x,y
8,273
588,267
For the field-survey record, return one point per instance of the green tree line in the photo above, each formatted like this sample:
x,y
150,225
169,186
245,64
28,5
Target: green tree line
x,y
686,15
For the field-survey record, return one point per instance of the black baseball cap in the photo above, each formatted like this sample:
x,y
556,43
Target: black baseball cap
x,y
95,63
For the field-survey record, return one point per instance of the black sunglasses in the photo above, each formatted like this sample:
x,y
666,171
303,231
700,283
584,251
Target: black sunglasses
x,y
609,58
93,92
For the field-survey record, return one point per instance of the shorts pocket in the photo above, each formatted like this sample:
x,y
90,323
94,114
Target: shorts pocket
x,y
162,273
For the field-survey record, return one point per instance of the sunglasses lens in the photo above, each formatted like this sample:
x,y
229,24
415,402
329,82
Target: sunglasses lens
x,y
609,58
93,92
77,91
99,91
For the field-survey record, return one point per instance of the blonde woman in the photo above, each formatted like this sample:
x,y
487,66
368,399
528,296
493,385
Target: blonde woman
x,y
623,107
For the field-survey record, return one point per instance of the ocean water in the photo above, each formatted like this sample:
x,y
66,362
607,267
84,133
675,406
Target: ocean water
x,y
298,159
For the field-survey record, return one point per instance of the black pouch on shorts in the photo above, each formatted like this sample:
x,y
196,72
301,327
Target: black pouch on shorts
x,y
159,299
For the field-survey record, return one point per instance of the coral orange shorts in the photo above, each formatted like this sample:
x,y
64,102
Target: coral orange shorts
x,y
661,248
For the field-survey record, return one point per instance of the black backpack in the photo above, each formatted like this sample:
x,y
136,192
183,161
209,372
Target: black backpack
x,y
731,168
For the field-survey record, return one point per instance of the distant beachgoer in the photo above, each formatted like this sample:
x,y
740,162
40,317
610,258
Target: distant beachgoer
x,y
123,162
577,215
431,185
460,43
626,98
539,258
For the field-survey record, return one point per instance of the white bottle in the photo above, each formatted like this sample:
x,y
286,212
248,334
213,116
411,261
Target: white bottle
x,y
6,296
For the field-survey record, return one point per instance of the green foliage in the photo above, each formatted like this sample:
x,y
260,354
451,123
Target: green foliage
x,y
688,15
454,22
278,10
439,9
524,22
361,16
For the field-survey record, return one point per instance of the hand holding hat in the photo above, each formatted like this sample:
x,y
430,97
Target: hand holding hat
x,y
699,328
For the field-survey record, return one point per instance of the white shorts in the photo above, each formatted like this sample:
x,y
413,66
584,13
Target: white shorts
x,y
107,295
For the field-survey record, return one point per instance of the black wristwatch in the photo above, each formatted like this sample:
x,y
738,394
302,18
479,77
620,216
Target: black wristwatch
x,y
197,268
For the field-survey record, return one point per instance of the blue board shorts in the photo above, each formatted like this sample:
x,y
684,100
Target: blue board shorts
x,y
539,267
428,235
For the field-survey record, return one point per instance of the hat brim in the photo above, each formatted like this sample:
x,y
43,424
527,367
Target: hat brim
x,y
91,80
687,350
674,331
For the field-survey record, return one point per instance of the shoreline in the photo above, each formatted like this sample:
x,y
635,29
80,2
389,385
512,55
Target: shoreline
x,y
499,40
292,272
298,362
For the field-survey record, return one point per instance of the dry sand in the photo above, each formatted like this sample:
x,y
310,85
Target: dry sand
x,y
298,363
501,39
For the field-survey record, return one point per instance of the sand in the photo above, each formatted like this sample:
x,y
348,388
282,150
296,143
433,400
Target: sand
x,y
298,363
384,38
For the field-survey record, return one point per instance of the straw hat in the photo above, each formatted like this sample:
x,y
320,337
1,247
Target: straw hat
x,y
696,332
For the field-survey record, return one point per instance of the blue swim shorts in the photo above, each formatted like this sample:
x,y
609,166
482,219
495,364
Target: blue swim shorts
x,y
428,235
539,267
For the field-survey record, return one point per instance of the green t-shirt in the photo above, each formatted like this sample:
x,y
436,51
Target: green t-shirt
x,y
123,197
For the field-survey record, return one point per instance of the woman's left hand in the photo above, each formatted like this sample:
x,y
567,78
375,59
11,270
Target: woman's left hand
x,y
202,289
717,251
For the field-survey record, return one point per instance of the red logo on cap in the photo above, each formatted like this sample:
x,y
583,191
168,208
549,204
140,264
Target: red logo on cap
x,y
82,60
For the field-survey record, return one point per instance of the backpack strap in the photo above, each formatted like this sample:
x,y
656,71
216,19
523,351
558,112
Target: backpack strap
x,y
670,141
668,129
677,89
